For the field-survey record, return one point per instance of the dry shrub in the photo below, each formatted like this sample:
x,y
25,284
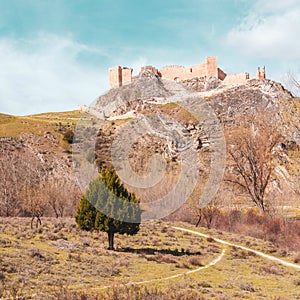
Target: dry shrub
x,y
195,261
273,226
238,253
269,269
112,270
183,264
254,217
281,233
247,287
161,258
132,292
204,284
297,259
297,282
210,239
124,262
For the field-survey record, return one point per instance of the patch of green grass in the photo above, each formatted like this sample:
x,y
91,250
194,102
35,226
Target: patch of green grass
x,y
65,115
12,126
170,105
178,112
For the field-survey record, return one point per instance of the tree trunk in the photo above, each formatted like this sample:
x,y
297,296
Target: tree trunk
x,y
199,220
110,240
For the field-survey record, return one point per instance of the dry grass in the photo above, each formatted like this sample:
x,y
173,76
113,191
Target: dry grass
x,y
58,261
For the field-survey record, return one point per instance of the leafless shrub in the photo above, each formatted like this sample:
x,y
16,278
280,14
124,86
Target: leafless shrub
x,y
247,287
195,261
297,259
297,282
161,258
269,269
204,284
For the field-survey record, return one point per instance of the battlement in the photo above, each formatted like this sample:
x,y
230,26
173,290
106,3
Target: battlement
x,y
119,76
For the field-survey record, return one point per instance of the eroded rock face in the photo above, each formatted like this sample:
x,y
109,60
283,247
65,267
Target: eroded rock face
x,y
195,85
212,83
151,97
131,96
228,102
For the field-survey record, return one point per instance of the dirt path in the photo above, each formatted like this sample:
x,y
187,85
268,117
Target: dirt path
x,y
212,263
273,258
216,260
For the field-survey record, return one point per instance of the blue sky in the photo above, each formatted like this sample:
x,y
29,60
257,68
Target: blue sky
x,y
54,55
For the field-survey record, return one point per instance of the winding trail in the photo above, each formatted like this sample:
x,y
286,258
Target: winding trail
x,y
281,261
212,263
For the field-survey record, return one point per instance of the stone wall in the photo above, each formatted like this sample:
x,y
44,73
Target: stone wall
x,y
198,70
126,76
174,72
119,76
235,79
206,69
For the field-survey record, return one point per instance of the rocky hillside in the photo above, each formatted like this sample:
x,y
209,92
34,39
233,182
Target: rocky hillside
x,y
154,117
159,109
33,154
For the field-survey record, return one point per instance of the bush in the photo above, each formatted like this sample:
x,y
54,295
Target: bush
x,y
195,261
254,217
297,259
68,136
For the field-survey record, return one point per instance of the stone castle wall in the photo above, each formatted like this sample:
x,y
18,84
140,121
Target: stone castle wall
x,y
119,76
234,79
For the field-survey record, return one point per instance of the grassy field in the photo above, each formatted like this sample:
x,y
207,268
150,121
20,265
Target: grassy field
x,y
58,259
12,126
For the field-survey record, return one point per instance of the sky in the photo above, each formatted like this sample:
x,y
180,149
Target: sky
x,y
55,54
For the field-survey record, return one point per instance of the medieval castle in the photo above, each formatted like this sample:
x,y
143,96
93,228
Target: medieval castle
x,y
119,76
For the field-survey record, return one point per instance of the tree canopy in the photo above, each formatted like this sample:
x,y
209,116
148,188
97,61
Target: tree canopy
x,y
109,207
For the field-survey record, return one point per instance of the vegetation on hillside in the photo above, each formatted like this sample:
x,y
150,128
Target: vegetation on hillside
x,y
60,261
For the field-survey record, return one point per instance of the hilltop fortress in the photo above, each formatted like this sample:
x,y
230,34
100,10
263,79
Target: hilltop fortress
x,y
119,76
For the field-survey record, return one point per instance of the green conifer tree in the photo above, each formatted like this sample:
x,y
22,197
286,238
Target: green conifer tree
x,y
108,206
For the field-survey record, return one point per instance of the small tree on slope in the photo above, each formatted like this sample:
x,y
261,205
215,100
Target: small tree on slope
x,y
108,206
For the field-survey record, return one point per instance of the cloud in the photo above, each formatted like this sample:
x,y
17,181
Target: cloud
x,y
270,30
45,74
269,6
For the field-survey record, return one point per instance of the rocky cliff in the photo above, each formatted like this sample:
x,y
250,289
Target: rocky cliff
x,y
171,124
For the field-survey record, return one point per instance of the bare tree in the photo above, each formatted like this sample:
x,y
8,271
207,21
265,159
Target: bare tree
x,y
35,204
252,150
33,188
293,83
9,191
61,195
204,214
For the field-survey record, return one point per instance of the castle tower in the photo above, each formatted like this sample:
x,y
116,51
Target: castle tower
x,y
263,74
119,76
211,66
258,73
115,77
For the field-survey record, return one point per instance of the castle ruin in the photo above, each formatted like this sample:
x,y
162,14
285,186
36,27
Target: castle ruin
x,y
119,76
